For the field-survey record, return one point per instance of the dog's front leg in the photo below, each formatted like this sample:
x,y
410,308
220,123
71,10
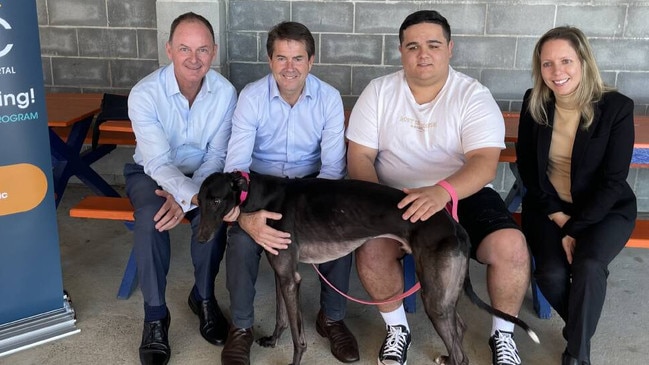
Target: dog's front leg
x,y
288,281
281,318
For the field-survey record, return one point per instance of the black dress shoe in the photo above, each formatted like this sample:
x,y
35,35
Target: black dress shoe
x,y
155,349
237,348
343,344
213,325
567,359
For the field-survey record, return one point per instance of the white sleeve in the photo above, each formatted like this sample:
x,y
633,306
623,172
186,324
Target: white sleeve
x,y
482,123
363,121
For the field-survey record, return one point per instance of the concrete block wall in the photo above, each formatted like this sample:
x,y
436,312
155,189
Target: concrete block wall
x,y
358,40
97,45
108,45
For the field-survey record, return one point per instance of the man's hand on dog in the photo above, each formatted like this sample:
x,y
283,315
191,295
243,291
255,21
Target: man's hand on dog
x,y
269,238
424,202
170,214
232,215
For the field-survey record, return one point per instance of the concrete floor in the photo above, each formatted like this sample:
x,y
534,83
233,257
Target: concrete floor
x,y
94,254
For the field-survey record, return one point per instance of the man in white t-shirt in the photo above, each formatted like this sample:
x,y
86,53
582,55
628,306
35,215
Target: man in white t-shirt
x,y
412,129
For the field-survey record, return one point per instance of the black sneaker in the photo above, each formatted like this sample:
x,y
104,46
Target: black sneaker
x,y
503,349
394,350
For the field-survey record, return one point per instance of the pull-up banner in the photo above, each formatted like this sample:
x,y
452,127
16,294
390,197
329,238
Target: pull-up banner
x,y
31,286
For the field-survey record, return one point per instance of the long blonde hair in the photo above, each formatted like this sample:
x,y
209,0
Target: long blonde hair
x,y
590,89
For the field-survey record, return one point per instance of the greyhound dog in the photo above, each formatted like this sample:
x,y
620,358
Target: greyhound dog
x,y
328,219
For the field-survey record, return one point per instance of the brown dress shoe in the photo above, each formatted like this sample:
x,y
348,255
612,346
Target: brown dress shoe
x,y
237,347
343,344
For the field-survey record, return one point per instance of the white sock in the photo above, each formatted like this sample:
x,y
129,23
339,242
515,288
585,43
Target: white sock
x,y
501,325
397,316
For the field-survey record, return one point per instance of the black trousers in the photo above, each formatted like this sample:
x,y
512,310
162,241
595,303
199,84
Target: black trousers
x,y
576,291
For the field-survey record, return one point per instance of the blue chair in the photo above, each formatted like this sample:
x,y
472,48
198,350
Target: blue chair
x,y
409,280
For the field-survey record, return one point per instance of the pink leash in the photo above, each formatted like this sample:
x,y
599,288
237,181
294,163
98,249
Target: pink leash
x,y
451,207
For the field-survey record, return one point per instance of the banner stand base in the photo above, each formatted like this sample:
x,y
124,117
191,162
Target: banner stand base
x,y
39,329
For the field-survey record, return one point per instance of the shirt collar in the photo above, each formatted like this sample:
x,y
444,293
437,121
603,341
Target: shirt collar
x,y
306,92
171,84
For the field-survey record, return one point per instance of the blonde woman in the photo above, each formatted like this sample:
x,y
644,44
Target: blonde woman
x,y
575,143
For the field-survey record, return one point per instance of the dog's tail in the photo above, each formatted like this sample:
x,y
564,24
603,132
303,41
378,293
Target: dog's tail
x,y
468,289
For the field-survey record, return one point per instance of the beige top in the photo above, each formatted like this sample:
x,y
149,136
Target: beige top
x,y
566,122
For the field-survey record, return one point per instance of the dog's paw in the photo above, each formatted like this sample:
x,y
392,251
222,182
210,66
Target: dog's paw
x,y
267,341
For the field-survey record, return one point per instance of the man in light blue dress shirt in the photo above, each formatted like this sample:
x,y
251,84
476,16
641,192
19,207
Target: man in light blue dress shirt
x,y
181,115
288,124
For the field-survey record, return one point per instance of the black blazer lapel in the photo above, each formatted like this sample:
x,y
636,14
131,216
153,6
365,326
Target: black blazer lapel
x,y
545,138
582,138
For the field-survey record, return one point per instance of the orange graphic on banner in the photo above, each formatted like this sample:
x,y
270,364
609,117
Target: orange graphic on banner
x,y
22,188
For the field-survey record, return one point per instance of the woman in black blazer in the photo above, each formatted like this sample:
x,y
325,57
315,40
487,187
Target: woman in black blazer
x,y
575,141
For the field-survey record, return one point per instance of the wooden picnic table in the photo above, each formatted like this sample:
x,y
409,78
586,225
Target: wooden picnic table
x,y
508,155
69,117
641,123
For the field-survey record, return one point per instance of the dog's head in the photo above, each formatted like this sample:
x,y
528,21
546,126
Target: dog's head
x,y
218,194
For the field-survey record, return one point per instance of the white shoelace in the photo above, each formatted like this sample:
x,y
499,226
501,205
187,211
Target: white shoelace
x,y
396,343
505,348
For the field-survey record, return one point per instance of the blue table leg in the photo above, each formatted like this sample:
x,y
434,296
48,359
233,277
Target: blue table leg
x,y
129,280
515,195
68,161
409,279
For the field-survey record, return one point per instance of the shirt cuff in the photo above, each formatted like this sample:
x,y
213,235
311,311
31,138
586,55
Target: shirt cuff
x,y
184,198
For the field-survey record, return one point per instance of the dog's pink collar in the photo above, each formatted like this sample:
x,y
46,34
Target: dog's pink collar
x,y
244,193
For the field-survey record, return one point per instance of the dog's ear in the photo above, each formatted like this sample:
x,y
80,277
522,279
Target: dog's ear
x,y
239,183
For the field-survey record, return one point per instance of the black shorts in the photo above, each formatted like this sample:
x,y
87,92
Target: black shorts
x,y
483,213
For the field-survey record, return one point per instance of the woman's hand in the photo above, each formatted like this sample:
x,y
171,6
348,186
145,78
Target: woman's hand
x,y
559,218
569,244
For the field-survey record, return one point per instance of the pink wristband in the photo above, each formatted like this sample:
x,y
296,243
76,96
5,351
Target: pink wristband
x,y
451,207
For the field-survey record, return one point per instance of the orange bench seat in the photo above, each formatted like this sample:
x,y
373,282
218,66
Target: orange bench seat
x,y
120,208
105,207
